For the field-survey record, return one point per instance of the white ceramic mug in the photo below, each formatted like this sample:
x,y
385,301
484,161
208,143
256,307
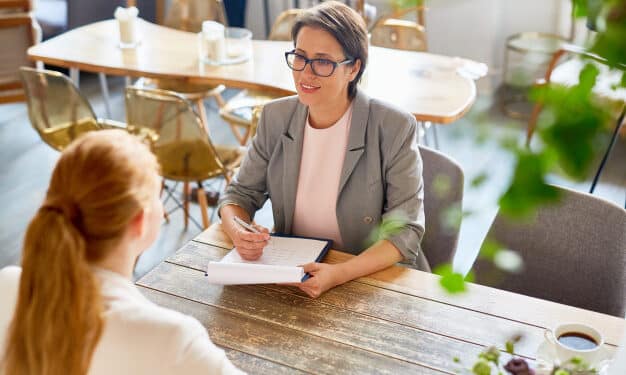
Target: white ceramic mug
x,y
565,353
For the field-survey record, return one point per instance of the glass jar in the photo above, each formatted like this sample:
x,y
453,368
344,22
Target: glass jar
x,y
212,43
238,44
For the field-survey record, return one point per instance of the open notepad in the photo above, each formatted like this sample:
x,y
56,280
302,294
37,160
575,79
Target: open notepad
x,y
278,264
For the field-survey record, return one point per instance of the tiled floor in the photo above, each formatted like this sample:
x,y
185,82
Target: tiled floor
x,y
26,164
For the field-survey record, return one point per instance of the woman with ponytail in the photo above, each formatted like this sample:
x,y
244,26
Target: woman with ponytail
x,y
72,308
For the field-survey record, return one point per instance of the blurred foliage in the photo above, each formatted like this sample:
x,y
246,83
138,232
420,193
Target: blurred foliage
x,y
570,129
452,282
611,39
388,226
528,188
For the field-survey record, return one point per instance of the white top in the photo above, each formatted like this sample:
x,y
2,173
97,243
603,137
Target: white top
x,y
139,337
323,152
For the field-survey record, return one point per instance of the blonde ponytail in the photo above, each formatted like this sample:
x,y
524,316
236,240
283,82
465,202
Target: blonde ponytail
x,y
98,185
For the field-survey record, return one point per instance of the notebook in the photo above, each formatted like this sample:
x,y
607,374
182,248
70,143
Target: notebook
x,y
279,263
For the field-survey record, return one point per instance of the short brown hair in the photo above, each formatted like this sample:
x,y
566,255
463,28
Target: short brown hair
x,y
345,25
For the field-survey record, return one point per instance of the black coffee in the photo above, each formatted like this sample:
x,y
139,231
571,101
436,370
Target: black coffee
x,y
577,341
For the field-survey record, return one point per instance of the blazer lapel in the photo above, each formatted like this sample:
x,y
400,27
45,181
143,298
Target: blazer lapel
x,y
292,147
356,138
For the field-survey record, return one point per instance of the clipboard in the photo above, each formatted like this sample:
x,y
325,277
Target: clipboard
x,y
278,264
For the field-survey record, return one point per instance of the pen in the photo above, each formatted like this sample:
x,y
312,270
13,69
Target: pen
x,y
248,227
245,225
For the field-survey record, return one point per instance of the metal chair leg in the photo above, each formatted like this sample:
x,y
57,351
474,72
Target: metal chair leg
x,y
618,126
105,93
435,136
75,76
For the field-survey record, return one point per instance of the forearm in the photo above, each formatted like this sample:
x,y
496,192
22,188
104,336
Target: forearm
x,y
377,257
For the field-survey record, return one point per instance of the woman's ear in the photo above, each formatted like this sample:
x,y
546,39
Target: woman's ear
x,y
137,225
355,69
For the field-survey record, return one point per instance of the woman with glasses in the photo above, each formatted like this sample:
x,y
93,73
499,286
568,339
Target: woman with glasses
x,y
72,308
334,162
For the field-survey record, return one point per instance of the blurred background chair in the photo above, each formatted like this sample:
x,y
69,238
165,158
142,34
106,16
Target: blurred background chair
x,y
405,29
281,29
57,110
180,141
574,252
443,205
526,58
239,111
567,73
396,31
18,31
188,15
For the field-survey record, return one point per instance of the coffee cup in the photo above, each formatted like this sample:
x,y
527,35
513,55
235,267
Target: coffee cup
x,y
571,340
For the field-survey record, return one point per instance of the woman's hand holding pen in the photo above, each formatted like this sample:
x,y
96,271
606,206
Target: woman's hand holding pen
x,y
323,277
249,239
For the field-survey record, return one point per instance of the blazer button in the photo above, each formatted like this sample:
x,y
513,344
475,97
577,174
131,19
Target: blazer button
x,y
368,219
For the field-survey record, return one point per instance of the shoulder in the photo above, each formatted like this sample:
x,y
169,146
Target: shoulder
x,y
281,107
159,320
392,117
9,285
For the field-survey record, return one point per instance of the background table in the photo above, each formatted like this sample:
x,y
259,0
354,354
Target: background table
x,y
396,321
427,85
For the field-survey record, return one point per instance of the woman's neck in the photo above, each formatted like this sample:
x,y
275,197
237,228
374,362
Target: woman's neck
x,y
322,117
120,260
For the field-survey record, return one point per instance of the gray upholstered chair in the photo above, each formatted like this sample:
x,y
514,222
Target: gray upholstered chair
x,y
574,253
443,197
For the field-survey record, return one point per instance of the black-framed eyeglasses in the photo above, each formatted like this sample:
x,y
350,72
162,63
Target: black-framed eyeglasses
x,y
320,67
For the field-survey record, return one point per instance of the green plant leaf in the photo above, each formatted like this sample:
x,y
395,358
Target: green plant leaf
x,y
528,188
481,367
479,180
489,249
510,347
451,281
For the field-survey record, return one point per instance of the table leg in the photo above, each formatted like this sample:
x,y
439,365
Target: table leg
x,y
75,76
105,93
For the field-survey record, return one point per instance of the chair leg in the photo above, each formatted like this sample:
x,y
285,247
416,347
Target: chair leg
x,y
618,126
202,113
165,214
234,128
220,101
203,205
186,202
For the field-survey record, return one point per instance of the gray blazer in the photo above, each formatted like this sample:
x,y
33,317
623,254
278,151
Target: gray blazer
x,y
381,176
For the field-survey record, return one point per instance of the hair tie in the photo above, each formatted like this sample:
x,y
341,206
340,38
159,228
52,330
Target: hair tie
x,y
64,206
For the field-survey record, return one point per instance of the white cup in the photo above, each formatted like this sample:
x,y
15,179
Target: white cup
x,y
127,22
565,353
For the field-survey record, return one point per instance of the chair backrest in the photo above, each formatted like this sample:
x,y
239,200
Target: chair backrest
x,y
175,132
399,34
188,15
15,6
17,33
281,29
443,204
57,110
574,253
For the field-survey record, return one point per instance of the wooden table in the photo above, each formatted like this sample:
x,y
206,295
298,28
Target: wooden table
x,y
396,321
432,87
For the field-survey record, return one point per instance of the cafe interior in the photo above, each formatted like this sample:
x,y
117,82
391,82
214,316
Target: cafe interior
x,y
519,108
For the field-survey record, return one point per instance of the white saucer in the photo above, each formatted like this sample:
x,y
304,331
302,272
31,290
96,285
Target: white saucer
x,y
546,358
